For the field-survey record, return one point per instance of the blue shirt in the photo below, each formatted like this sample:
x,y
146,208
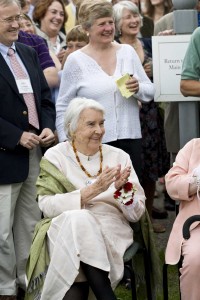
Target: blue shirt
x,y
4,53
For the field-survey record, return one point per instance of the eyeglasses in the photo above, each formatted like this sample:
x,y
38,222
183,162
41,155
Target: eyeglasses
x,y
10,20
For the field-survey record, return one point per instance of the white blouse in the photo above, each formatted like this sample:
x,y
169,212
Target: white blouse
x,y
83,77
63,157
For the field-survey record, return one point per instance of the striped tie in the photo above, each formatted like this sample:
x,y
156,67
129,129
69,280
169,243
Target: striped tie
x,y
28,97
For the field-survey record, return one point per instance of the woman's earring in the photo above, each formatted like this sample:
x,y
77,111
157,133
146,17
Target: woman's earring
x,y
87,34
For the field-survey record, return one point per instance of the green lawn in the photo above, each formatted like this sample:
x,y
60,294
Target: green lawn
x,y
122,293
173,284
173,280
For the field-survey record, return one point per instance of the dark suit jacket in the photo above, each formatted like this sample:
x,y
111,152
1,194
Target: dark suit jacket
x,y
14,159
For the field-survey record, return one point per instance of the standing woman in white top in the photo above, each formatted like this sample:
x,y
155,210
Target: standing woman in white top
x,y
50,16
92,72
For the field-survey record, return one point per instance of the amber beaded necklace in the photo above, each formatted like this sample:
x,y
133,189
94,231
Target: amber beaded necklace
x,y
82,167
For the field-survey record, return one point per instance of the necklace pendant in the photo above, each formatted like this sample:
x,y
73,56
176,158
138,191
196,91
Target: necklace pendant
x,y
90,181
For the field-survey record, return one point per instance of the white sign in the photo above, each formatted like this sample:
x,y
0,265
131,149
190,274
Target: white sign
x,y
168,55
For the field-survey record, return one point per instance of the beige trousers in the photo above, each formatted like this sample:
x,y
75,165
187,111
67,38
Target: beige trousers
x,y
190,271
19,212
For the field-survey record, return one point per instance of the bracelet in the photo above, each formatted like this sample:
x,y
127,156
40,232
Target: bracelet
x,y
125,194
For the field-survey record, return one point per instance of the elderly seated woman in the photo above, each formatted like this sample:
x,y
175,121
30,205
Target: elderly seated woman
x,y
91,193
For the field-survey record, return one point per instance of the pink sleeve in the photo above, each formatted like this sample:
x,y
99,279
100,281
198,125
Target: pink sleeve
x,y
179,176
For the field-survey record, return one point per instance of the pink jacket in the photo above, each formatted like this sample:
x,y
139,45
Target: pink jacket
x,y
177,184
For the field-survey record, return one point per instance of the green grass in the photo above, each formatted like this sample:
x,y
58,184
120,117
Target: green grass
x,y
173,284
173,280
122,293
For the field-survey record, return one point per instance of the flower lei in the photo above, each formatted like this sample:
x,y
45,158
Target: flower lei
x,y
124,193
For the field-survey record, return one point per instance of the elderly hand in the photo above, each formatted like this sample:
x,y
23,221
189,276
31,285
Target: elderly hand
x,y
133,85
107,177
29,140
47,138
122,177
194,185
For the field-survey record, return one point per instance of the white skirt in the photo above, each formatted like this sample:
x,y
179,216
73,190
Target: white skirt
x,y
96,239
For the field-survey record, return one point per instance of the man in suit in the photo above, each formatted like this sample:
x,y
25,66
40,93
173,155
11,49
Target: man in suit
x,y
20,147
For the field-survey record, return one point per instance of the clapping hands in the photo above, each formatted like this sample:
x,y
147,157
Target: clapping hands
x,y
122,177
116,175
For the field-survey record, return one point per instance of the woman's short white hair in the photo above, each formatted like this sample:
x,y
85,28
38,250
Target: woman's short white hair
x,y
118,9
73,111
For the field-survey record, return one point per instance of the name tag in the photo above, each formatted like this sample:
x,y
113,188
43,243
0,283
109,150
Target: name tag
x,y
24,86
